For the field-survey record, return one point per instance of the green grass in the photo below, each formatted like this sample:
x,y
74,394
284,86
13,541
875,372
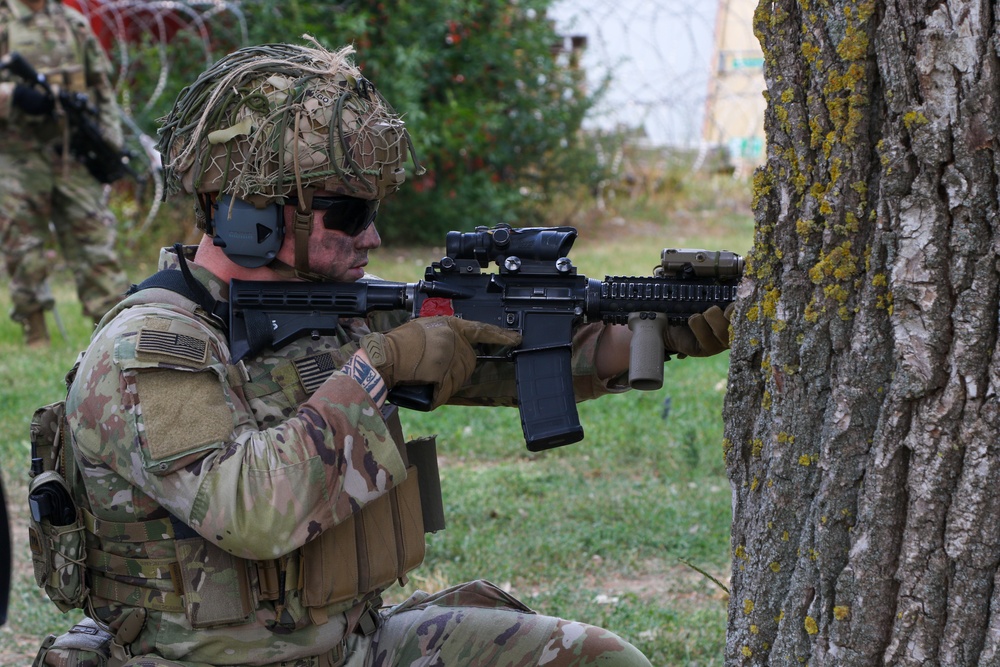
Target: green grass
x,y
599,531
611,517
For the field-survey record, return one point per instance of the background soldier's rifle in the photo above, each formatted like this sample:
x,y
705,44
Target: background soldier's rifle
x,y
104,161
536,291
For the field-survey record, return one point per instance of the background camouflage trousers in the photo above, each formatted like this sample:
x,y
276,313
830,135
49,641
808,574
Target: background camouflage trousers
x,y
470,625
34,190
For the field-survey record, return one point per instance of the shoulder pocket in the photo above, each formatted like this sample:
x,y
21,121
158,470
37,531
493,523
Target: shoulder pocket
x,y
175,393
178,415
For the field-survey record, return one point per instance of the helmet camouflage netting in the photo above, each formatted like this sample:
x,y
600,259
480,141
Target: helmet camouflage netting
x,y
267,121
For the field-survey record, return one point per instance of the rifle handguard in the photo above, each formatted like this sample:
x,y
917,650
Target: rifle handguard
x,y
646,351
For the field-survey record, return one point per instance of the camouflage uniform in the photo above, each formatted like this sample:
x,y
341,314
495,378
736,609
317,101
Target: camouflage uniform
x,y
257,459
39,183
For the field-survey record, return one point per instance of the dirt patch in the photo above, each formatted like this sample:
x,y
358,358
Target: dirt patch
x,y
661,582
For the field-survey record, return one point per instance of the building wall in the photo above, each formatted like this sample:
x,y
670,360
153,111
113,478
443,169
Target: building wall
x,y
734,107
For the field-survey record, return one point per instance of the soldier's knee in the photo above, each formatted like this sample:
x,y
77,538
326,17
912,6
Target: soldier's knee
x,y
573,644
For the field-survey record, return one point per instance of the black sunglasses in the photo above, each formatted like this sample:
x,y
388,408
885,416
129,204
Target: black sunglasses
x,y
343,214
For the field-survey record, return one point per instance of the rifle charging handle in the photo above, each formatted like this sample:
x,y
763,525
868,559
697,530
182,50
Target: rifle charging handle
x,y
645,368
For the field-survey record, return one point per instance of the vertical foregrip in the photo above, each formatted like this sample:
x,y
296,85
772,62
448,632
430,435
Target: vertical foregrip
x,y
645,369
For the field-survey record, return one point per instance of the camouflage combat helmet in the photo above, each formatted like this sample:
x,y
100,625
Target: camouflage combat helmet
x,y
275,122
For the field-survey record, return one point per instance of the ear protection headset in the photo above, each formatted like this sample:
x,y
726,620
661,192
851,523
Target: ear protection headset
x,y
250,236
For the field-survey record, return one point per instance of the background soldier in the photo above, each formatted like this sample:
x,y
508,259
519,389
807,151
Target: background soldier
x,y
251,512
39,181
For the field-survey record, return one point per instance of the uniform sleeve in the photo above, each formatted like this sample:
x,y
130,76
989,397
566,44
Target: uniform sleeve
x,y
154,403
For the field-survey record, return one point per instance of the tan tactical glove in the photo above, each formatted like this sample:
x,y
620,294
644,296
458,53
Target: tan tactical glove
x,y
433,350
704,335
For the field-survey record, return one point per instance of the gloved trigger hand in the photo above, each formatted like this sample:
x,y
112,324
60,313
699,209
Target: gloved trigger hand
x,y
33,101
704,335
437,351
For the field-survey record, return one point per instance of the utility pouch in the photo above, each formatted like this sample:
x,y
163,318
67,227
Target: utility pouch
x,y
217,589
85,645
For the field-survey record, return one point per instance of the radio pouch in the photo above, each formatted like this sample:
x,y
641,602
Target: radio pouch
x,y
55,526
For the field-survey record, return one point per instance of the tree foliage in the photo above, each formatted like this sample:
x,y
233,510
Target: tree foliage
x,y
492,101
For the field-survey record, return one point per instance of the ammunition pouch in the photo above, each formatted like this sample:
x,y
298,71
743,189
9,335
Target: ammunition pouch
x,y
367,552
71,79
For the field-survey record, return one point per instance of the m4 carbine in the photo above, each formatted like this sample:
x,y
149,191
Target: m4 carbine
x,y
535,290
105,162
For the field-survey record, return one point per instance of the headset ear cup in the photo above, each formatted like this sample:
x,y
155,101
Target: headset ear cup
x,y
250,236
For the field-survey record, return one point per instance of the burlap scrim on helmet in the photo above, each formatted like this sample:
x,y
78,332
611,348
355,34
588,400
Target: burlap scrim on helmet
x,y
267,121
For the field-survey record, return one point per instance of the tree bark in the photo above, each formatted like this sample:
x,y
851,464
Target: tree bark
x,y
861,418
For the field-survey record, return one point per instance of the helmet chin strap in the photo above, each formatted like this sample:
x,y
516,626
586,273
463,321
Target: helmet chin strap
x,y
301,229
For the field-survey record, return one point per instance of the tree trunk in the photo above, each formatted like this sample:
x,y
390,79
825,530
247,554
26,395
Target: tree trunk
x,y
861,419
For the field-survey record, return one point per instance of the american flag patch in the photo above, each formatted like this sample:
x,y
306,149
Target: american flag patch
x,y
178,346
313,371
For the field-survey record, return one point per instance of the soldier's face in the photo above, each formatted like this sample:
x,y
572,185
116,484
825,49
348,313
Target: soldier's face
x,y
332,253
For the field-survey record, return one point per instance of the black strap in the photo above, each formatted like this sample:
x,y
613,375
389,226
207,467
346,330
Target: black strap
x,y
184,283
182,531
5,556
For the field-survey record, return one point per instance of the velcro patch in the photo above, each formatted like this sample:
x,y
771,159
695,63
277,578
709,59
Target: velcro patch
x,y
183,412
171,346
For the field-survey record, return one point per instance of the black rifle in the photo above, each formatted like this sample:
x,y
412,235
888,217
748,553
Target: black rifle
x,y
86,143
536,290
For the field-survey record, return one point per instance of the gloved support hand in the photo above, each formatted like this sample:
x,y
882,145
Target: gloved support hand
x,y
704,335
33,101
436,351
